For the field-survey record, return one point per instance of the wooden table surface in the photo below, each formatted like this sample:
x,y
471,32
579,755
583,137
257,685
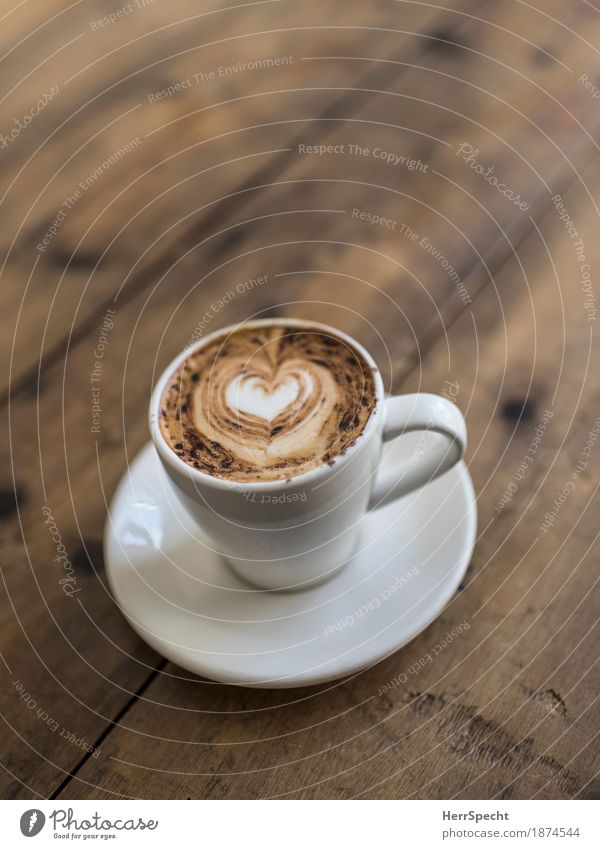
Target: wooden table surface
x,y
151,160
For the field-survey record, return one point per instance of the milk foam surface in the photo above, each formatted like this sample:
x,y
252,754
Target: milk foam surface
x,y
269,402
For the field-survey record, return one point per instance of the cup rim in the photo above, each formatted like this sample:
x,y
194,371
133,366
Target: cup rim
x,y
172,459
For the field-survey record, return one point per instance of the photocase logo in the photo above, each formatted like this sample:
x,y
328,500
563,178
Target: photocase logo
x,y
32,822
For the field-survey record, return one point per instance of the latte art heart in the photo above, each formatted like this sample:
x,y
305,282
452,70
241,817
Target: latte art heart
x,y
266,403
254,395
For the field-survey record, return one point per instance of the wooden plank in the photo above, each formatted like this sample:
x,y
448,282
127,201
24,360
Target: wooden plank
x,y
83,484
130,236
61,650
510,709
98,113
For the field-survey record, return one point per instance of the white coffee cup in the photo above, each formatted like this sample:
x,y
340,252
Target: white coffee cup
x,y
295,532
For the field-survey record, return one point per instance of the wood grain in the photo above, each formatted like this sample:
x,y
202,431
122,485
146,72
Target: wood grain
x,y
64,652
111,228
144,212
205,202
511,709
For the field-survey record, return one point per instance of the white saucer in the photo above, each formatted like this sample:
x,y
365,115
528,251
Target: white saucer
x,y
185,602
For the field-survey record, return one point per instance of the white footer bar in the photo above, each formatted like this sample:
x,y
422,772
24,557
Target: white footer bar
x,y
301,825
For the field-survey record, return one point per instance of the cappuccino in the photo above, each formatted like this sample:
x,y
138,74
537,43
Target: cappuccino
x,y
267,402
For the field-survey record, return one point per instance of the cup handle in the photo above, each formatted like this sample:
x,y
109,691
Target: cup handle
x,y
419,412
